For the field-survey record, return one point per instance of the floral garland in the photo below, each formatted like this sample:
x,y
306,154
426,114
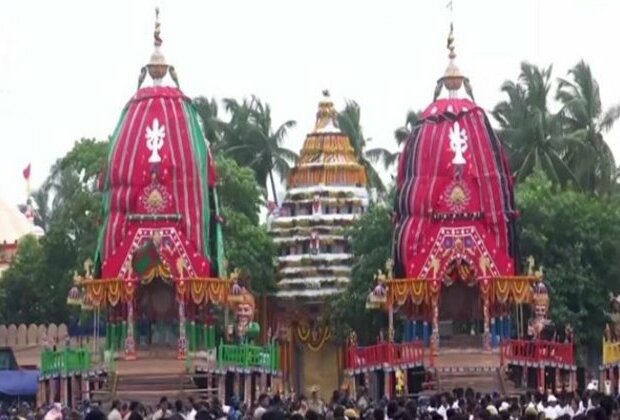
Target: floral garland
x,y
515,289
314,338
112,291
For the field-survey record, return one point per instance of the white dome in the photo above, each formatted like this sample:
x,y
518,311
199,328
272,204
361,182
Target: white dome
x,y
14,225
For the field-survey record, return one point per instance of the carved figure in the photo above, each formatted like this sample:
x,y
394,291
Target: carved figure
x,y
245,329
541,327
613,328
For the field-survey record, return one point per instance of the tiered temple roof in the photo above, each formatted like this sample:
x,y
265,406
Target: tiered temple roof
x,y
326,194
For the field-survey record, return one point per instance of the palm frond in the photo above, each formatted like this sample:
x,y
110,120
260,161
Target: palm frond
x,y
609,118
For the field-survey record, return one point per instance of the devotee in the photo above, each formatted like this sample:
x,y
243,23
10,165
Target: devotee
x,y
163,411
55,413
263,404
315,403
115,413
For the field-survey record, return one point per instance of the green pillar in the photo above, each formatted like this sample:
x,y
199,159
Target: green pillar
x,y
211,336
194,336
108,335
121,344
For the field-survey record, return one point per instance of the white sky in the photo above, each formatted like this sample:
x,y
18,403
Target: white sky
x,y
68,67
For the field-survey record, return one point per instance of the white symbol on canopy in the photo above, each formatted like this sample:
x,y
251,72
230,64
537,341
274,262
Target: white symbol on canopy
x,y
458,143
155,140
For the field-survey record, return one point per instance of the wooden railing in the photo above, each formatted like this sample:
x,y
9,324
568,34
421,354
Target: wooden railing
x,y
611,352
64,361
385,353
539,352
246,356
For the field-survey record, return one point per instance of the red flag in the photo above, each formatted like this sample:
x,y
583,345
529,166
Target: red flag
x,y
26,173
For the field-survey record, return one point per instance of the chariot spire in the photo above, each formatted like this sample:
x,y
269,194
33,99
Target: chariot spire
x,y
452,78
157,67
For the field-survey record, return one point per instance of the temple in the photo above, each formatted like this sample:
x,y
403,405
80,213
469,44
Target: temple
x,y
160,252
326,193
453,280
159,281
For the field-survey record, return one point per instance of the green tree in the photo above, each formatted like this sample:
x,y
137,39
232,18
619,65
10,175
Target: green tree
x,y
371,242
575,237
69,205
74,201
349,121
592,160
533,135
401,134
248,245
237,189
212,125
32,291
251,140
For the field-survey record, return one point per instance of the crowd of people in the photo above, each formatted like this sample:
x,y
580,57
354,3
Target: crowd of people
x,y
460,404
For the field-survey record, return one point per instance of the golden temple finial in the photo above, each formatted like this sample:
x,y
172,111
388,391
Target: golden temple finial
x,y
452,54
452,79
157,67
326,116
157,33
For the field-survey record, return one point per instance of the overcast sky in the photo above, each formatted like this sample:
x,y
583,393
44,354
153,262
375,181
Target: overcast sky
x,y
67,68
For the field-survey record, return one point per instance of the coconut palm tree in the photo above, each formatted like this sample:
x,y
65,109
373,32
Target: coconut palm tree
x,y
251,140
349,124
212,126
592,160
533,135
401,134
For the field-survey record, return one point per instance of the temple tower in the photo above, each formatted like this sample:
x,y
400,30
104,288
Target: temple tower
x,y
326,193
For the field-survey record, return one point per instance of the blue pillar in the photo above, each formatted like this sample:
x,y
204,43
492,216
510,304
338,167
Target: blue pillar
x,y
507,326
499,328
411,325
494,332
426,333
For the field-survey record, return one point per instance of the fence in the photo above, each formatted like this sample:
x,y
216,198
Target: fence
x,y
386,353
245,355
537,352
65,361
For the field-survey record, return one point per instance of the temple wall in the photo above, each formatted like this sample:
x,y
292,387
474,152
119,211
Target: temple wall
x,y
23,335
321,368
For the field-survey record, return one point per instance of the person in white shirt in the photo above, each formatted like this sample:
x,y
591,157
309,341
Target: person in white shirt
x,y
553,410
115,413
163,411
194,409
263,404
55,413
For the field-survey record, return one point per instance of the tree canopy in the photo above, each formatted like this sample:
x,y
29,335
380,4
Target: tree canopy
x,y
575,238
371,244
35,287
567,145
248,246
